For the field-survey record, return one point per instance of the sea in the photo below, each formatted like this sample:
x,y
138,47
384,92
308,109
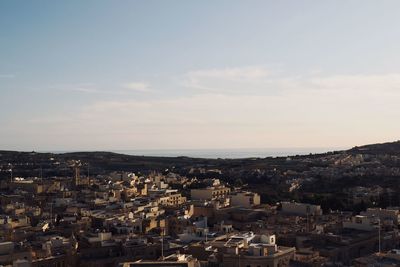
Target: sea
x,y
228,153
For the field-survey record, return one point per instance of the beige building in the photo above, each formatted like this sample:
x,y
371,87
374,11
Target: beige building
x,y
174,260
389,259
209,193
245,199
385,215
28,185
301,209
256,250
358,222
172,200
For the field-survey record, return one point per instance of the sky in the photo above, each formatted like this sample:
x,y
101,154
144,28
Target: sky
x,y
210,74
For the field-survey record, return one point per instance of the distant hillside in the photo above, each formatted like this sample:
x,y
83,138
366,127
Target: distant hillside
x,y
390,148
33,163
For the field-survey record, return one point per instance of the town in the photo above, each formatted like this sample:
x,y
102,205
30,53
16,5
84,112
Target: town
x,y
163,218
212,133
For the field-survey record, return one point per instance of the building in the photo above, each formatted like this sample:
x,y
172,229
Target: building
x,y
301,209
256,250
245,199
308,258
391,216
174,260
209,193
358,222
171,198
392,258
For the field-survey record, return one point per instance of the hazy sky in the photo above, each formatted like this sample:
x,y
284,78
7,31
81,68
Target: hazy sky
x,y
101,75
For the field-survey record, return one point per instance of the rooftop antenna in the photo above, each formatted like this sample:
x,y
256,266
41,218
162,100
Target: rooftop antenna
x,y
206,227
11,172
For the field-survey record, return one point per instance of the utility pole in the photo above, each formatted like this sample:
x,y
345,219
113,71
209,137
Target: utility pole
x,y
307,219
379,235
162,243
206,227
51,212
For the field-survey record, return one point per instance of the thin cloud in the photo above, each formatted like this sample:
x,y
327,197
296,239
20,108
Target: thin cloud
x,y
101,89
84,90
237,74
78,87
7,76
262,81
137,86
240,80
